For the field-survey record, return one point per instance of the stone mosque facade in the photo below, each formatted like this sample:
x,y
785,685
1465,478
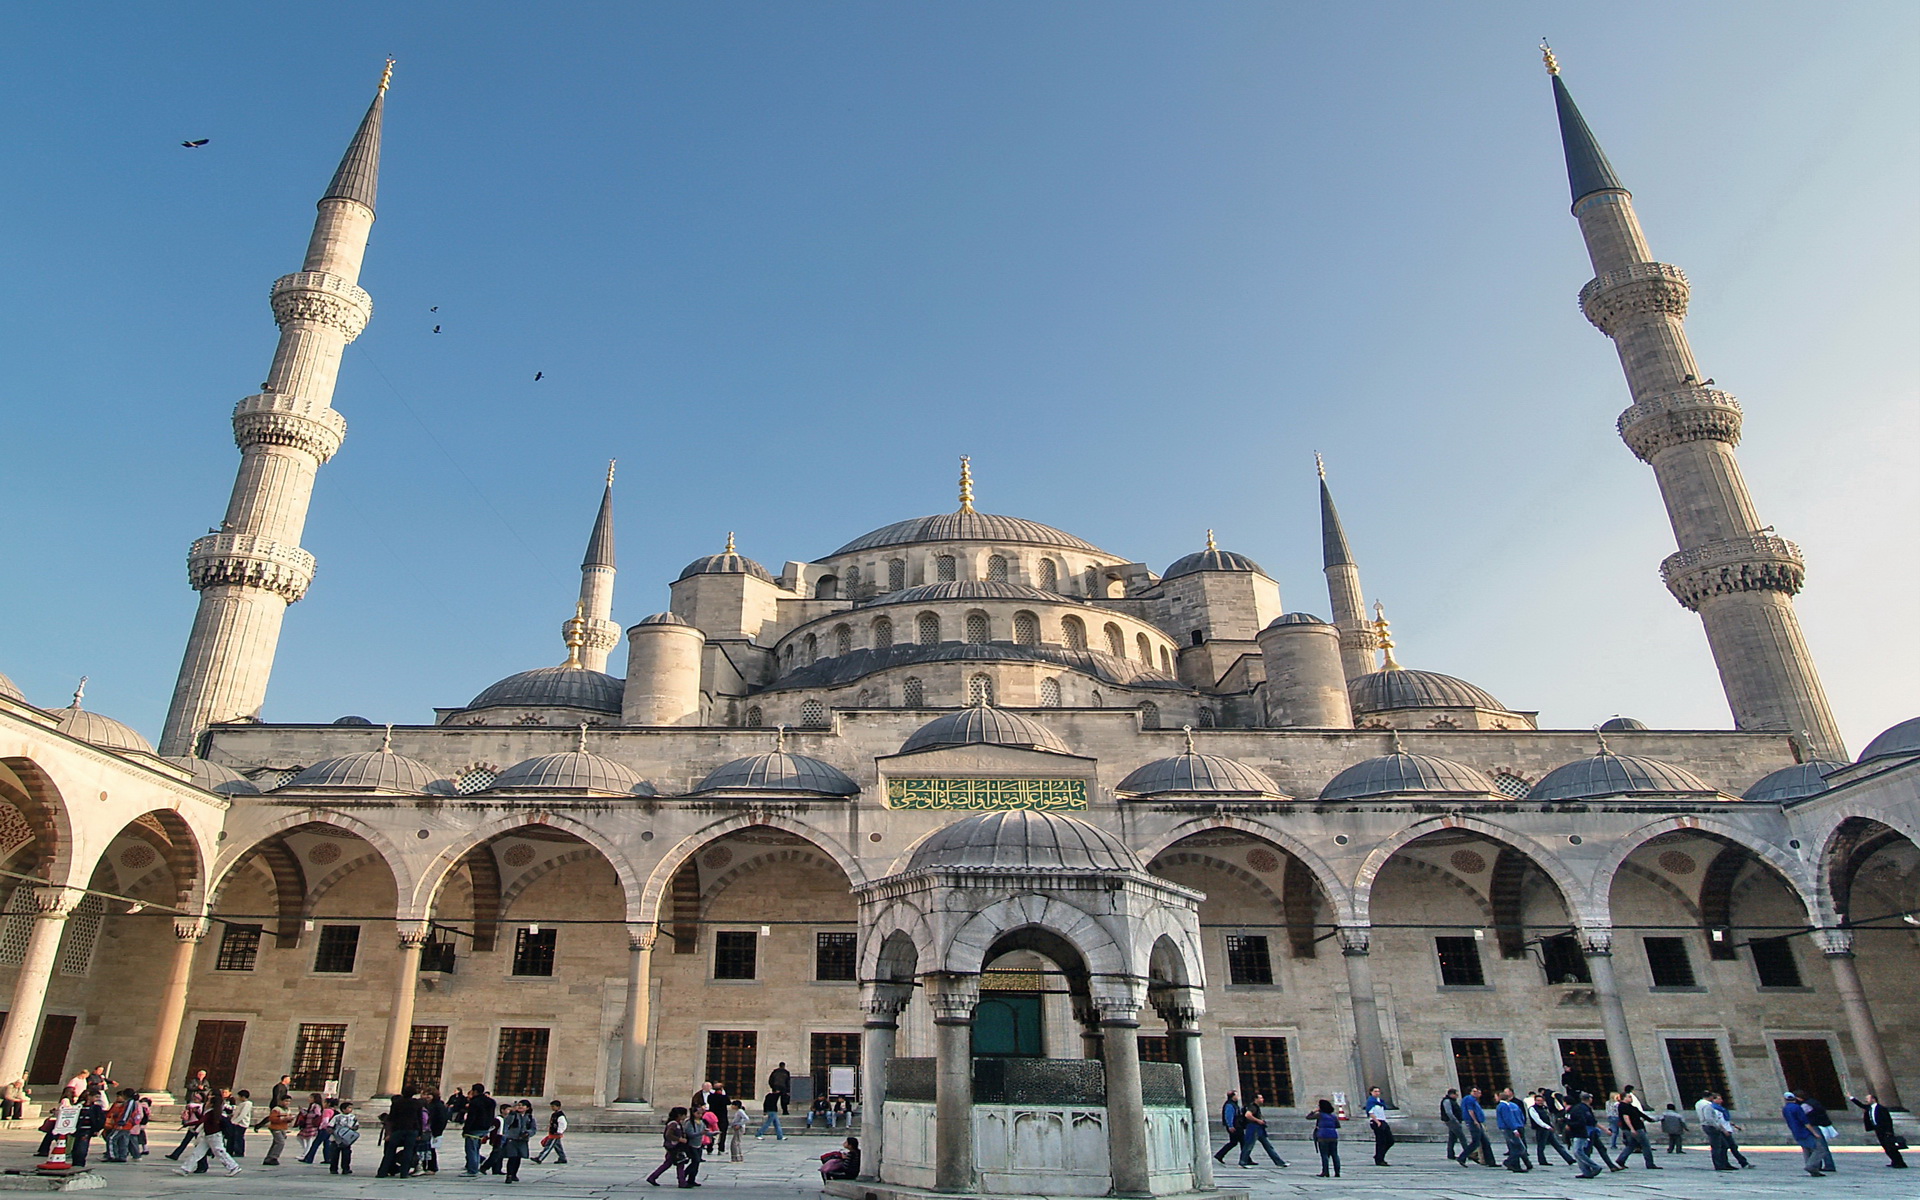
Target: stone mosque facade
x,y
610,887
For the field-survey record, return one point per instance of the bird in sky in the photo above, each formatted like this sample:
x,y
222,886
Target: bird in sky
x,y
196,143
436,329
435,308
539,375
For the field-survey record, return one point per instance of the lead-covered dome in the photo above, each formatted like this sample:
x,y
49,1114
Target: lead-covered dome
x,y
1900,741
1399,687
1621,725
967,526
1400,772
554,687
664,618
213,777
1022,838
969,589
1294,618
573,771
375,771
1793,783
1610,774
1203,774
778,771
983,725
10,690
725,563
1212,559
97,730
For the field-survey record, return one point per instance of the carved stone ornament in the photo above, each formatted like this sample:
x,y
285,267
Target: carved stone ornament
x,y
1834,943
953,999
412,937
56,902
191,929
1355,939
642,937
1752,564
273,419
318,298
1692,414
1596,939
1646,287
246,560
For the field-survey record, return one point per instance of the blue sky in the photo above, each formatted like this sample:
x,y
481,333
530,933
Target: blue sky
x,y
787,261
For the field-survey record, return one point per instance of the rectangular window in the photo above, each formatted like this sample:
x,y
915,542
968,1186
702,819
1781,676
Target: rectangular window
x,y
1247,960
520,1068
437,957
835,956
533,951
239,949
1774,964
1563,960
829,1050
339,944
1807,1067
1590,1066
731,1057
1459,961
317,1051
734,953
426,1056
1697,1069
1480,1063
1261,1063
1668,964
1156,1048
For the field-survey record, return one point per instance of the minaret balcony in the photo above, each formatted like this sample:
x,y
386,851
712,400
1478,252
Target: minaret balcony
x,y
1632,291
320,298
1759,563
248,560
283,419
1689,414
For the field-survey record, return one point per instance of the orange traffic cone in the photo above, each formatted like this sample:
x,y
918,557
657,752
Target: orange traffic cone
x,y
56,1163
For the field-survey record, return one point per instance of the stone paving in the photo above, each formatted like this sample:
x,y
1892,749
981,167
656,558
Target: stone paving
x,y
607,1165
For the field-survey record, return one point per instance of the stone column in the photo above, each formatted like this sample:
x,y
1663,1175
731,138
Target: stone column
x,y
1183,1030
953,998
1837,945
393,1064
1126,1107
1597,943
882,1002
1356,944
187,932
633,1050
53,905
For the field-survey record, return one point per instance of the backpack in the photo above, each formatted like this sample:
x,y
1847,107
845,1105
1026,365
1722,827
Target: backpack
x,y
348,1134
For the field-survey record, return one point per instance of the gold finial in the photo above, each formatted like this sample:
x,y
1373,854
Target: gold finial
x,y
1382,632
583,738
1320,465
386,741
1546,56
386,76
966,483
575,632
1210,544
1188,730
729,549
611,464
79,690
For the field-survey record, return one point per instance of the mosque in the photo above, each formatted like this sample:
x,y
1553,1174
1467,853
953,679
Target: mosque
x,y
1314,869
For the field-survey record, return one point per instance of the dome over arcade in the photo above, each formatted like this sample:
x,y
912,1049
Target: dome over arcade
x,y
374,771
97,730
10,690
1793,783
554,687
1399,687
212,777
1621,725
1400,773
727,562
778,771
1212,559
1610,774
1898,742
967,526
1021,839
573,771
983,725
1199,774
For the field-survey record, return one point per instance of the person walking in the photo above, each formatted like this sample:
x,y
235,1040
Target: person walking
x,y
1456,1122
1675,1127
1821,1122
773,1106
1715,1127
1475,1119
210,1142
517,1128
1375,1106
1583,1131
737,1124
277,1121
1254,1129
780,1083
1633,1129
477,1125
1326,1137
554,1142
1513,1126
1878,1120
1540,1121
677,1140
402,1156
342,1132
1795,1115
1230,1119
1733,1132
238,1119
717,1102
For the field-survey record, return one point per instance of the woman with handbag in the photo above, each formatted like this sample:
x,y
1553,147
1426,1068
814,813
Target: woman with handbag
x,y
1326,1137
675,1141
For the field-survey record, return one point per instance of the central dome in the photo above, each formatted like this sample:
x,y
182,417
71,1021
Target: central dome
x,y
555,687
1398,687
1020,839
984,726
967,526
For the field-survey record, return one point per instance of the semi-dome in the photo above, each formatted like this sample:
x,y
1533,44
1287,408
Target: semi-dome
x,y
212,777
967,526
1212,559
374,771
778,771
1400,772
1900,741
1793,783
11,691
98,730
1610,774
1295,618
573,771
1399,687
1207,774
1023,838
665,618
983,725
969,589
554,687
1621,725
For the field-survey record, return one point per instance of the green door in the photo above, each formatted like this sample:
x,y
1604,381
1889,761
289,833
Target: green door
x,y
1007,1026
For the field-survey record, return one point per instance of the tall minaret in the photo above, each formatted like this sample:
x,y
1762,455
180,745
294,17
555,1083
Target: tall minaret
x,y
1731,569
598,633
251,567
1358,640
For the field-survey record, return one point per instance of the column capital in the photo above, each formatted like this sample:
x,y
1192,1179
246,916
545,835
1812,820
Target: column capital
x,y
883,1001
56,903
1181,1008
1834,943
953,997
1595,940
413,934
1355,940
191,929
641,936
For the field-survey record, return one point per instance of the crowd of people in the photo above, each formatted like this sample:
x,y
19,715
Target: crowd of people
x,y
712,1120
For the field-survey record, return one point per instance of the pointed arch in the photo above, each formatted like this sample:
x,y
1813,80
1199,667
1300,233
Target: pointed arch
x,y
1572,892
427,891
647,905
397,862
1328,880
1798,877
41,802
180,850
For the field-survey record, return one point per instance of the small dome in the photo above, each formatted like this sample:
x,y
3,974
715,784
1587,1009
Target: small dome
x,y
1621,725
1212,560
351,721
777,771
1609,774
574,771
1399,772
969,589
1398,687
727,563
212,777
1793,783
1022,838
97,730
983,725
374,771
1199,773
554,687
11,691
666,618
966,526
1295,618
1902,740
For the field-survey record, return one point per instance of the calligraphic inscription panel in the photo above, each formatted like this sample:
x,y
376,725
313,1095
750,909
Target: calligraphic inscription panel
x,y
984,795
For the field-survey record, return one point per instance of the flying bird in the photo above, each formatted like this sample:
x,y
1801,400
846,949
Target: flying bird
x,y
436,308
196,143
436,329
539,375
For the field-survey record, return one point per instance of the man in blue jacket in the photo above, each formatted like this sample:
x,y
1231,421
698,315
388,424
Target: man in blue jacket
x,y
1513,1125
1476,1118
1796,1118
1230,1117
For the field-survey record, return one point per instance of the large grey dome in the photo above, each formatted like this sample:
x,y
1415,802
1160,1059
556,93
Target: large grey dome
x,y
1212,560
1022,838
1399,772
777,771
1399,687
1793,783
1199,773
212,777
967,526
984,725
727,563
1903,739
969,589
554,687
1609,774
101,731
573,771
375,771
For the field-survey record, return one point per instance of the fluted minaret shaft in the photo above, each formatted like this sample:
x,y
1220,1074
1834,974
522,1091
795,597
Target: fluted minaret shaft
x,y
599,634
1730,568
250,568
1358,641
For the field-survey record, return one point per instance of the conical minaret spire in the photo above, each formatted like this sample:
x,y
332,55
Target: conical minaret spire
x,y
1358,639
1730,568
594,616
250,567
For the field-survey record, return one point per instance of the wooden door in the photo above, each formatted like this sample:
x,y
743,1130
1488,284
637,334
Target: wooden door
x,y
216,1049
1807,1064
50,1059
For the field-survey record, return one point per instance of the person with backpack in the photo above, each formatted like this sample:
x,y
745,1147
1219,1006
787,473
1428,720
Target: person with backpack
x,y
1675,1127
210,1142
677,1140
1253,1122
277,1121
517,1128
1326,1137
1230,1118
342,1132
126,1122
1455,1119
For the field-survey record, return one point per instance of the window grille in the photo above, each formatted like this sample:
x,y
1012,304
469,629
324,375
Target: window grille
x,y
853,583
1509,784
1149,715
239,948
1443,723
997,568
813,715
1049,575
1155,1047
928,626
535,718
339,945
1262,1065
1116,641
477,780
732,1055
1459,961
835,956
896,574
1026,629
734,954
317,1050
520,1068
1667,962
980,690
1773,962
843,639
1563,960
82,934
1480,1063
831,1050
977,629
426,1056
1074,632
945,569
1698,1069
1146,649
913,694
1049,693
533,951
755,718
1206,718
21,915
1591,1063
882,633
1248,963
1099,701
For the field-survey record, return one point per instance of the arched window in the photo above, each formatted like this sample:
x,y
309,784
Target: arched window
x,y
945,569
788,655
883,633
754,717
843,639
828,588
1116,641
913,693
928,625
1443,723
1099,701
997,568
976,629
1166,662
1146,650
1149,715
1074,632
896,574
1026,629
1049,575
1206,718
980,689
813,648
1049,693
853,582
813,715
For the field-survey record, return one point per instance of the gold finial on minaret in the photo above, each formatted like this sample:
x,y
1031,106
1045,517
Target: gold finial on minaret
x,y
611,464
1382,629
1210,544
575,631
386,76
1546,56
966,483
79,690
1320,465
729,549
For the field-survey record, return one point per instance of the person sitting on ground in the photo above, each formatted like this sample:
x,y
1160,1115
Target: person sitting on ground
x,y
843,1162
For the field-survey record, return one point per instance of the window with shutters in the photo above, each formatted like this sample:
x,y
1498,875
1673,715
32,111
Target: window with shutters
x,y
945,569
735,954
913,694
533,951
1026,629
317,1051
1459,961
520,1066
882,633
896,574
1248,962
835,957
997,568
239,948
977,629
1049,575
1116,641
927,625
1049,693
980,690
1149,715
1073,631
339,946
1667,962
1773,962
813,715
843,639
